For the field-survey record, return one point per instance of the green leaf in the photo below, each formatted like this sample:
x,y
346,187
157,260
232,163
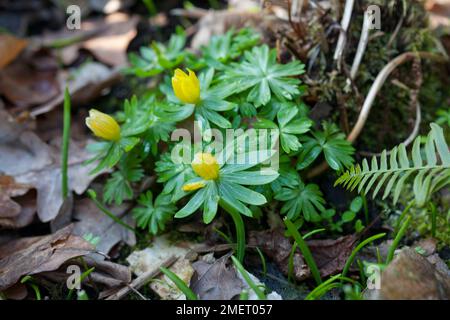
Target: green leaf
x,y
306,200
194,203
260,73
153,215
428,177
356,204
336,149
348,216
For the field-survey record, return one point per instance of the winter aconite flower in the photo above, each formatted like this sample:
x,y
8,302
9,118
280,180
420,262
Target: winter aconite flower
x,y
206,166
186,87
103,126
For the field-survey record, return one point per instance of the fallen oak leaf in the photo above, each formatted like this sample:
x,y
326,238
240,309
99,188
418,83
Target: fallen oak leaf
x,y
26,85
277,247
91,220
216,281
110,47
47,253
47,181
330,255
84,84
9,189
105,273
10,48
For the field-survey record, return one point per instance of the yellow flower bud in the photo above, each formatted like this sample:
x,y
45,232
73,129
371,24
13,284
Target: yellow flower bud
x,y
193,186
206,166
186,87
103,125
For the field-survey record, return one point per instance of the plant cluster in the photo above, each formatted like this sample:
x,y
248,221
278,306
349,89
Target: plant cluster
x,y
234,83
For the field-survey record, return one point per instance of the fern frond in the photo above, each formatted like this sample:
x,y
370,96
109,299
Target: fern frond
x,y
429,166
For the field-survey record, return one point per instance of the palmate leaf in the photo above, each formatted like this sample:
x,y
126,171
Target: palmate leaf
x,y
158,57
261,73
153,215
118,186
306,200
173,175
336,149
431,171
291,124
223,48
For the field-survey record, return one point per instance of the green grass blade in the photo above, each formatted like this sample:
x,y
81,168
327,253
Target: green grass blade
x,y
357,249
397,239
259,293
305,250
190,295
65,145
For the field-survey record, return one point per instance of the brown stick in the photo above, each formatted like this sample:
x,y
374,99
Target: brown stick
x,y
370,98
137,283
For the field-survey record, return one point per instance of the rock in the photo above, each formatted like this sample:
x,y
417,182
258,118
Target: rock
x,y
410,276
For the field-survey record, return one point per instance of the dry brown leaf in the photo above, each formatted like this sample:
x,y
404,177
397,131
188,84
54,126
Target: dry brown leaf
x,y
47,253
92,221
111,46
105,273
30,80
9,189
32,162
277,247
439,12
216,281
330,255
10,48
85,84
47,182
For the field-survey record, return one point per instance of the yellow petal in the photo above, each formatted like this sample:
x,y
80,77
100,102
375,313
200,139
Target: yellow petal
x,y
193,186
103,125
186,87
206,166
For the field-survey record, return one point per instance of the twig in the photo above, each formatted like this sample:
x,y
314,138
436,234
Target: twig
x,y
378,83
362,45
348,10
376,86
140,281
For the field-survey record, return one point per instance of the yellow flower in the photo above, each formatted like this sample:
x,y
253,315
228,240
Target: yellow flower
x,y
193,186
206,166
103,125
186,87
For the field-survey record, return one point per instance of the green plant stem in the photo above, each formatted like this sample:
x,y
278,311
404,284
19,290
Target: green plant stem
x,y
263,261
433,219
310,234
397,239
366,209
305,250
91,193
240,230
80,280
65,145
402,216
357,249
294,247
259,293
190,295
291,262
327,285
